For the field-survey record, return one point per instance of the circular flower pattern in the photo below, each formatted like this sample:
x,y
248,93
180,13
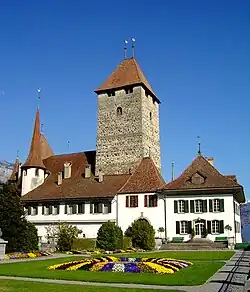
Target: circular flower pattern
x,y
125,265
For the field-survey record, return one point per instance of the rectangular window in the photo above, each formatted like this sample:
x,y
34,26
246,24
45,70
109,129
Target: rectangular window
x,y
107,208
198,206
81,208
216,205
34,210
131,201
97,208
150,201
215,227
183,227
46,210
55,209
181,207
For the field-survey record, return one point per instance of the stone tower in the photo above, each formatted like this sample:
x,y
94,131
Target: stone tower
x,y
128,121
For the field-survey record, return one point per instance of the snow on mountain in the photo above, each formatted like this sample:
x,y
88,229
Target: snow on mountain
x,y
5,170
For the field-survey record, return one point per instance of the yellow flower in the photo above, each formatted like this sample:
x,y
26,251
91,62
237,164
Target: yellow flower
x,y
76,267
31,255
159,269
97,267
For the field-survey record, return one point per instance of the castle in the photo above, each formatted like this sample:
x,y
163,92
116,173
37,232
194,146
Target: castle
x,y
121,180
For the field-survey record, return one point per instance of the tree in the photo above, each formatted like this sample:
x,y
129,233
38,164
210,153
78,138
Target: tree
x,y
109,236
143,234
20,234
66,234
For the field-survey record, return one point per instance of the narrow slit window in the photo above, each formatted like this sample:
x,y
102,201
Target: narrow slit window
x,y
119,111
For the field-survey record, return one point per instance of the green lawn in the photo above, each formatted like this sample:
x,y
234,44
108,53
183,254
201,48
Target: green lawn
x,y
20,286
205,264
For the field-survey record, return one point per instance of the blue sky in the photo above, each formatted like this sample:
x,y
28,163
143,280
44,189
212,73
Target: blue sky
x,y
195,54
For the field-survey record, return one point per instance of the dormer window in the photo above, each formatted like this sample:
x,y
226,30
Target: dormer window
x,y
37,172
119,111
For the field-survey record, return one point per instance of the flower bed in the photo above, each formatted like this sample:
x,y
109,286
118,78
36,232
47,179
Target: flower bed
x,y
25,255
125,265
96,252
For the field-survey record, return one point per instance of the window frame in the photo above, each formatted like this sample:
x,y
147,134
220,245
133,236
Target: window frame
x,y
183,227
216,205
132,201
200,204
179,207
215,227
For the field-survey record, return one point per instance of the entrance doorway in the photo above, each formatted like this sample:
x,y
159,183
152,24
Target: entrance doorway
x,y
199,229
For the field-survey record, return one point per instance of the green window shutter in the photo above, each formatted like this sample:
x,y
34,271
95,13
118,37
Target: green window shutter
x,y
210,205
29,210
58,209
186,207
175,207
91,208
222,205
109,207
79,209
177,227
209,230
83,208
192,206
221,226
74,209
65,208
204,206
50,209
189,227
42,210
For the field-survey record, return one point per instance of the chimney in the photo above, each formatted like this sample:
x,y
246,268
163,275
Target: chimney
x,y
59,178
100,176
87,170
67,170
210,160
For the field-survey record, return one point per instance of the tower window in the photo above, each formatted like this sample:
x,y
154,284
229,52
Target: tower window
x,y
111,93
129,90
150,116
25,172
37,172
119,111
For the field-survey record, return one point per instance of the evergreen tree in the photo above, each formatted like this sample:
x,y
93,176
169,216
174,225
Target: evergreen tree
x,y
20,234
142,234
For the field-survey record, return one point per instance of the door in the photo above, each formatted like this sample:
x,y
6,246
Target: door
x,y
199,229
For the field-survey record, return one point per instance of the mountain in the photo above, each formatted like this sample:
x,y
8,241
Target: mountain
x,y
245,221
5,170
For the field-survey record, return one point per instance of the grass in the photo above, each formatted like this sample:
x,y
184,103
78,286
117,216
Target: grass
x,y
21,286
205,264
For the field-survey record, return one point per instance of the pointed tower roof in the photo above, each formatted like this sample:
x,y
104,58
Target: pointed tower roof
x,y
34,158
127,73
14,174
46,150
146,178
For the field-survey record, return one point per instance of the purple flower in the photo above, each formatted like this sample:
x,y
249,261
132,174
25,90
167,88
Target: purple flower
x,y
108,267
131,268
124,259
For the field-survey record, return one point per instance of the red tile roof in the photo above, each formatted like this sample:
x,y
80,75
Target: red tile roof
x,y
34,158
14,175
77,186
146,178
209,178
127,73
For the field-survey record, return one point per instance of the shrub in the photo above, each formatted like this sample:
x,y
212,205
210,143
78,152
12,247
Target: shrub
x,y
66,236
127,242
83,243
109,236
143,234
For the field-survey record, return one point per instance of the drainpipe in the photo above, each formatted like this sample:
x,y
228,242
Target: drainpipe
x,y
165,217
234,223
117,210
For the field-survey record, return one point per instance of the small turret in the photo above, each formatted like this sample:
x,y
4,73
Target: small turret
x,y
15,173
33,170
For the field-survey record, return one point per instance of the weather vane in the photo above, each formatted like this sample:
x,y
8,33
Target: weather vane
x,y
199,145
133,46
125,48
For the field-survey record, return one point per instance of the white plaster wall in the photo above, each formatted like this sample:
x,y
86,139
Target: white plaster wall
x,y
87,222
227,215
238,219
155,215
31,181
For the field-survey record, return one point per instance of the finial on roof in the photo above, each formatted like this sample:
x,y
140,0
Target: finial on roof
x,y
172,178
199,145
17,153
39,96
133,47
41,128
68,144
125,49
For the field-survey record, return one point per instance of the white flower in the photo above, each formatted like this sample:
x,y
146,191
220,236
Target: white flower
x,y
118,267
131,260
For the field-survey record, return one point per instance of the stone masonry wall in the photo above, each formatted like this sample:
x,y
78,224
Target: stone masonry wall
x,y
122,140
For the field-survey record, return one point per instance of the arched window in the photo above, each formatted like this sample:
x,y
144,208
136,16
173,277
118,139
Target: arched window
x,y
150,116
37,172
119,111
25,172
